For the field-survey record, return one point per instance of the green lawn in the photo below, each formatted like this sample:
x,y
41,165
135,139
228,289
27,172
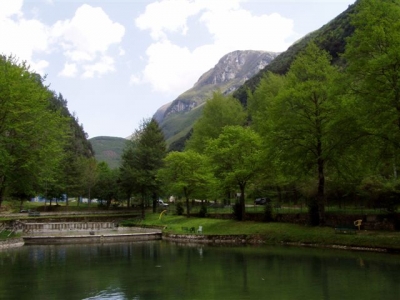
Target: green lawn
x,y
276,233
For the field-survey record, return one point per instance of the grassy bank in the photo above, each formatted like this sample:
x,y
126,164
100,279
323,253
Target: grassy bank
x,y
276,233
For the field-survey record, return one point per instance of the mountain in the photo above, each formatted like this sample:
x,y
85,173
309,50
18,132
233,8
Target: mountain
x,y
330,37
108,149
176,119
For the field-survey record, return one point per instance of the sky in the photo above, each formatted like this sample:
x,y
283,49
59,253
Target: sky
x,y
117,61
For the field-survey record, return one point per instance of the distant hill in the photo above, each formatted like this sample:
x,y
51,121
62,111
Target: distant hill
x,y
176,118
108,149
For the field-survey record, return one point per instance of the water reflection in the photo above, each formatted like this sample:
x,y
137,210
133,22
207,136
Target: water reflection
x,y
161,270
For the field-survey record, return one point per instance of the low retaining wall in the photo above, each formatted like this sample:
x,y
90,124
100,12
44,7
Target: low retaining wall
x,y
213,239
84,239
61,226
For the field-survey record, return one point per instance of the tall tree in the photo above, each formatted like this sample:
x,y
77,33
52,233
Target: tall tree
x,y
146,158
32,136
373,70
219,111
235,156
89,177
126,175
307,124
186,173
106,187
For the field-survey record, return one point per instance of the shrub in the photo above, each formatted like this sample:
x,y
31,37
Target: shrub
x,y
268,212
313,213
203,211
237,211
179,209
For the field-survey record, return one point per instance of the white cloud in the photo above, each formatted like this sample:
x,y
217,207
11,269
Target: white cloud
x,y
39,66
9,8
171,68
104,65
87,37
22,37
164,16
70,70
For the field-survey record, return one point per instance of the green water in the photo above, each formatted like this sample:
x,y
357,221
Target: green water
x,y
162,270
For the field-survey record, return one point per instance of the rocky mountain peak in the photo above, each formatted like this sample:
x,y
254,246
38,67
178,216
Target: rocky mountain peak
x,y
236,65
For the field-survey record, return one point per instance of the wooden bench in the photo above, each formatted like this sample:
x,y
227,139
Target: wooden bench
x,y
33,213
345,229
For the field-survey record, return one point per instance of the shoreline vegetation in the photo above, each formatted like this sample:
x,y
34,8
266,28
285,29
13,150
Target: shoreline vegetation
x,y
247,232
251,232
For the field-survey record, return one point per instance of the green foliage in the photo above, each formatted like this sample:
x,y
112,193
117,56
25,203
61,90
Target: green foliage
x,y
220,111
373,73
235,157
307,127
186,174
32,133
106,187
141,160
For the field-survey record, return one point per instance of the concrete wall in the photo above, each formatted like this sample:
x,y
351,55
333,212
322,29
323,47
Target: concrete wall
x,y
85,239
62,226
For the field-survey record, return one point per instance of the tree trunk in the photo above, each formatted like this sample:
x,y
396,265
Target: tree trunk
x,y
2,190
143,210
242,202
321,192
154,202
187,202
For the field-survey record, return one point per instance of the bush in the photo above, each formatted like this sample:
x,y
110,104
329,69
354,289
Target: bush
x,y
179,209
203,211
268,212
313,213
237,211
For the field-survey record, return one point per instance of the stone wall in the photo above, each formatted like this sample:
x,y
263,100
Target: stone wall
x,y
213,239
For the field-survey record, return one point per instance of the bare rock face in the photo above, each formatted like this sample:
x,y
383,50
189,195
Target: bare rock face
x,y
239,65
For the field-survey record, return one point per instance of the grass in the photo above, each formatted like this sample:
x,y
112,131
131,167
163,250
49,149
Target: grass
x,y
276,233
6,235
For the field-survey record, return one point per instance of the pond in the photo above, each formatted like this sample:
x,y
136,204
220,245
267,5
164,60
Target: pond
x,y
163,270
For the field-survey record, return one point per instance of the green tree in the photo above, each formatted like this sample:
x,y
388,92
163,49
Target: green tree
x,y
308,127
260,100
106,187
126,175
32,135
373,71
89,177
142,159
219,111
186,173
235,158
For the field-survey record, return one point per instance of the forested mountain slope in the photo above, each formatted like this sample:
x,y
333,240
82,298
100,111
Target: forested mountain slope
x,y
108,149
330,37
